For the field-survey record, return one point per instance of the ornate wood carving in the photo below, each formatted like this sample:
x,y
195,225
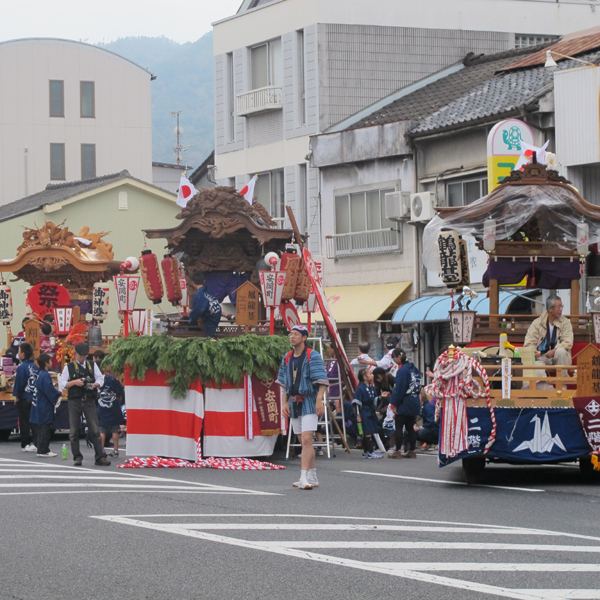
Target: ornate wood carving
x,y
534,173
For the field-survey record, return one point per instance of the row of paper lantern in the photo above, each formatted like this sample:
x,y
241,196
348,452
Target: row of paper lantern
x,y
174,284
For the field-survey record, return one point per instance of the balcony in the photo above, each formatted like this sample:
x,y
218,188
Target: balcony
x,y
260,100
365,243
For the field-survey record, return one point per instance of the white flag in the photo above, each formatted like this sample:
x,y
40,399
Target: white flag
x,y
527,151
248,190
186,191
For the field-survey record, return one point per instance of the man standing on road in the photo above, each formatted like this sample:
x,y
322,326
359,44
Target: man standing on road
x,y
23,390
303,376
82,378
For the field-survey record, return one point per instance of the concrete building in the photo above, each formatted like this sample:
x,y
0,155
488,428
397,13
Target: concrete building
x,y
70,111
288,69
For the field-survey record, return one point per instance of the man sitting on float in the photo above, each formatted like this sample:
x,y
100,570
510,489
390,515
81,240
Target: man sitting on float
x,y
552,337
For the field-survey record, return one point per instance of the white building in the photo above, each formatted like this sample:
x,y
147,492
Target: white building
x,y
70,111
288,69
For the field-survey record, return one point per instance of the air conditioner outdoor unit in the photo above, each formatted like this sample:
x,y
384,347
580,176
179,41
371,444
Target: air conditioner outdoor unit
x,y
397,206
422,206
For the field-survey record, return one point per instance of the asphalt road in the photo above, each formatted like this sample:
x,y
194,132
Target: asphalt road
x,y
373,529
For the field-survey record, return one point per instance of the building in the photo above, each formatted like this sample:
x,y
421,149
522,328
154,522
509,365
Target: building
x,y
118,203
289,69
70,111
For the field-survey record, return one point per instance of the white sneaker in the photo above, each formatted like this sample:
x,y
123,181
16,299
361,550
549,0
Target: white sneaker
x,y
30,448
48,455
304,484
313,481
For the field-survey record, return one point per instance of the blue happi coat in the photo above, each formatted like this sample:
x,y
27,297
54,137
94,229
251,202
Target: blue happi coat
x,y
45,397
313,374
365,396
25,378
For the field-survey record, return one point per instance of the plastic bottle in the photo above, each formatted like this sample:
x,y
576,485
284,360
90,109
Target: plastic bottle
x,y
64,452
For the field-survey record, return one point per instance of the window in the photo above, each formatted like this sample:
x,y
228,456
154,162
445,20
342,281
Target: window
x,y
266,62
361,211
461,193
269,192
88,102
301,80
57,98
521,41
88,161
57,162
230,99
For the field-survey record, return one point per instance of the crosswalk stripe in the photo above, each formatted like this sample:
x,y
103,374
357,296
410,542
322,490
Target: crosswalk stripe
x,y
488,566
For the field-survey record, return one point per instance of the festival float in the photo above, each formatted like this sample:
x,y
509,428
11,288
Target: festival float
x,y
216,402
495,404
69,275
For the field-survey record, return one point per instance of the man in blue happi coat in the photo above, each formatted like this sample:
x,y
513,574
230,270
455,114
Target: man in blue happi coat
x,y
303,376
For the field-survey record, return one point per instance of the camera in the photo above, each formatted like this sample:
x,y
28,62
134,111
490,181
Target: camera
x,y
88,383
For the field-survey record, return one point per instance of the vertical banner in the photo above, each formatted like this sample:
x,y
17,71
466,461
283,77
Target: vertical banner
x,y
248,407
506,377
350,377
450,262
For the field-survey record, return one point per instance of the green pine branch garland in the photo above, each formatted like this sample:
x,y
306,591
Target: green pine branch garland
x,y
224,360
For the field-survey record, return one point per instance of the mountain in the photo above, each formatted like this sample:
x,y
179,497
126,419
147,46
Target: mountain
x,y
184,81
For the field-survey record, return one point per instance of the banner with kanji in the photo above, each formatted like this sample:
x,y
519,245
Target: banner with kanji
x,y
588,411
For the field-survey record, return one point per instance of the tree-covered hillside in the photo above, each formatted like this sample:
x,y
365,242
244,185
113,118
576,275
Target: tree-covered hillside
x,y
184,81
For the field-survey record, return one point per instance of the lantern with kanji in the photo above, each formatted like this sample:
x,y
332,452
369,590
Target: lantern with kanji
x,y
170,269
6,307
290,263
185,299
100,298
151,276
303,285
62,319
126,287
272,284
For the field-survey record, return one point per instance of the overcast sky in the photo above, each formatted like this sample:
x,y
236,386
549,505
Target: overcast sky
x,y
106,20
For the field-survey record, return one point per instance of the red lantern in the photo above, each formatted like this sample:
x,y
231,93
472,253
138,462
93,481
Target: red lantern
x,y
290,263
170,269
303,285
151,276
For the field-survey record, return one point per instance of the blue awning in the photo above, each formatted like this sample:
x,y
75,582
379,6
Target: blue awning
x,y
435,308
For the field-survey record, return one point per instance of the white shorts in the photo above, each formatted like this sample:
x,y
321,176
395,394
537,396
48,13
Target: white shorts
x,y
305,423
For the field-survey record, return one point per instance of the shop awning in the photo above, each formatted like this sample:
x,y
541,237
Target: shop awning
x,y
435,308
362,303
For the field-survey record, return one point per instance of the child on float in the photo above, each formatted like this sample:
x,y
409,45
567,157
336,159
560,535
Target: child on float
x,y
45,397
365,398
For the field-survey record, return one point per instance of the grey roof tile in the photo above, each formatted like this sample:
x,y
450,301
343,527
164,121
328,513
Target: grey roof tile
x,y
57,192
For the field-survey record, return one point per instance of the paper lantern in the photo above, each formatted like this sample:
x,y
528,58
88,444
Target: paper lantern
x,y
303,285
170,269
45,296
62,319
583,238
489,235
272,284
138,321
100,296
311,306
449,249
185,299
6,307
151,276
462,324
290,263
126,287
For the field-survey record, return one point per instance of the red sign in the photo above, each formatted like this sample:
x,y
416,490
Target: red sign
x,y
289,315
43,297
330,323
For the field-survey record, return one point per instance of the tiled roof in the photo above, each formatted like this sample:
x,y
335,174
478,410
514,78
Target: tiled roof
x,y
57,192
569,47
499,95
436,95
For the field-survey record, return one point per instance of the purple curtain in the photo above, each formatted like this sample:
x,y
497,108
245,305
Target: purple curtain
x,y
549,274
224,283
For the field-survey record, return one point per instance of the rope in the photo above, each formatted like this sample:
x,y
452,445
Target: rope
x,y
452,384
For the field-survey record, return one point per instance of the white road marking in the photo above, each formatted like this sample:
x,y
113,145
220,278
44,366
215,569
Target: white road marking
x,y
445,482
433,546
294,549
136,482
493,567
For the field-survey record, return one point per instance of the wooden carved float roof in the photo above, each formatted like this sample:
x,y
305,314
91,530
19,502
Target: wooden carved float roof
x,y
221,212
52,251
533,174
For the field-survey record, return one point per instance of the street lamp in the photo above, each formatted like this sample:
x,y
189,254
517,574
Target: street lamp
x,y
551,65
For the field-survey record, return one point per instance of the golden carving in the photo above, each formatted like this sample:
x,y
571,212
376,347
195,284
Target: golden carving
x,y
47,263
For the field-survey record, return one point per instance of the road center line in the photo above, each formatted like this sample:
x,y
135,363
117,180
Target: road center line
x,y
445,482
